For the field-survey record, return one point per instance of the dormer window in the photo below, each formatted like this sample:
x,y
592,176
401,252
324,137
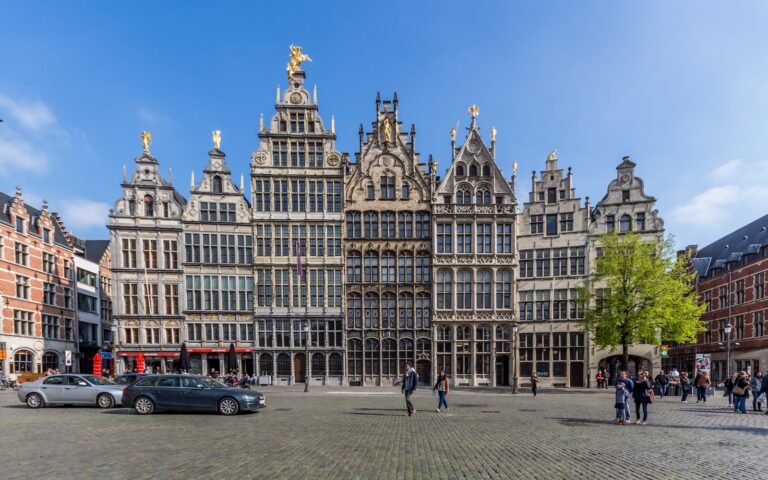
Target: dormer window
x,y
486,171
625,224
371,193
297,122
610,223
387,187
625,195
551,195
149,206
46,235
19,224
217,186
406,191
459,170
473,170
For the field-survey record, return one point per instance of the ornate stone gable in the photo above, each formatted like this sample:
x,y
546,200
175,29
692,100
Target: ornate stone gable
x,y
217,186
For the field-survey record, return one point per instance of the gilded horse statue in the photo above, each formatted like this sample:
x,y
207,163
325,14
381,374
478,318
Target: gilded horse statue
x,y
297,58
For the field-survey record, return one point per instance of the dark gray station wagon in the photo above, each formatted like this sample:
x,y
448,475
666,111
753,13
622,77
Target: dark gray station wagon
x,y
152,393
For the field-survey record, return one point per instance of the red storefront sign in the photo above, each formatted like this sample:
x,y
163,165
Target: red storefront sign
x,y
150,354
219,350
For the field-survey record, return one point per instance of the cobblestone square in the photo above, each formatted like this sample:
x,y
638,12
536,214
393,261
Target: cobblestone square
x,y
365,433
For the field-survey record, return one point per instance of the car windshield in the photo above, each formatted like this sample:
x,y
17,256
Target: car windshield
x,y
213,383
99,380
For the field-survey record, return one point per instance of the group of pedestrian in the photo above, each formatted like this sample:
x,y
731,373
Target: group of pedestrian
x,y
641,392
738,388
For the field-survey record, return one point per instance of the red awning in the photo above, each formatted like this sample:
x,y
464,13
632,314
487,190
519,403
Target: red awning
x,y
149,354
219,350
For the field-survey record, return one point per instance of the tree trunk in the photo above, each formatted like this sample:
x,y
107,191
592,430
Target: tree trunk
x,y
624,356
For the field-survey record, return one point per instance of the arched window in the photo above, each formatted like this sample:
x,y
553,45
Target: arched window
x,y
464,289
486,171
422,310
355,358
353,224
463,332
354,310
371,224
371,310
406,191
388,267
388,225
406,350
149,206
389,357
405,224
50,360
354,263
266,368
423,348
459,170
283,365
625,223
405,266
23,361
444,289
422,267
405,307
422,225
484,289
388,310
318,365
335,365
371,357
370,192
217,187
463,196
503,289
483,196
473,170
371,266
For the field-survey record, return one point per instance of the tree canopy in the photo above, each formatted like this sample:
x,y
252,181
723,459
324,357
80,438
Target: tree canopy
x,y
640,294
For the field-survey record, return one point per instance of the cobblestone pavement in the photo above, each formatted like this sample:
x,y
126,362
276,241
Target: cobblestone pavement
x,y
364,433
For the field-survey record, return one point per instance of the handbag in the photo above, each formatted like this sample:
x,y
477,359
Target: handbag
x,y
737,390
651,396
762,398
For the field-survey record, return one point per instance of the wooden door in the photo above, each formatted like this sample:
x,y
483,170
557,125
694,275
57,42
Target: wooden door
x,y
299,367
577,374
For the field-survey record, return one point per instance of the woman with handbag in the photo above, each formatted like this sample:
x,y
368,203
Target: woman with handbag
x,y
740,393
643,395
685,387
729,384
441,386
702,382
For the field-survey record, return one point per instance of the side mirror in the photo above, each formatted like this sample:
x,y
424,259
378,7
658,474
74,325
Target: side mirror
x,y
201,386
82,384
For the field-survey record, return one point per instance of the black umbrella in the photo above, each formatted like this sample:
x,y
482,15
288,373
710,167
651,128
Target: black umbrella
x,y
232,357
184,358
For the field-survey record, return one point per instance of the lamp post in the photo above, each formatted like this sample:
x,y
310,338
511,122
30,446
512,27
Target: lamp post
x,y
514,360
306,356
728,328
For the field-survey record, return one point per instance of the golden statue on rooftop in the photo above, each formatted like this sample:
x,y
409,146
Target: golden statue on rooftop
x,y
387,130
493,134
216,135
552,155
453,133
474,110
146,139
297,58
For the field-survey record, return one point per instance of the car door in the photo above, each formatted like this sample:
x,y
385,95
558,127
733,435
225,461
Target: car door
x,y
78,391
52,388
167,392
192,396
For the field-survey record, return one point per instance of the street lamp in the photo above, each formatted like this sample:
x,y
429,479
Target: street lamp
x,y
728,327
514,360
306,356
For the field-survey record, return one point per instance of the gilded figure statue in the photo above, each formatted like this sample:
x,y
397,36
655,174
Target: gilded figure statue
x,y
552,155
297,58
493,134
146,139
216,135
387,130
474,110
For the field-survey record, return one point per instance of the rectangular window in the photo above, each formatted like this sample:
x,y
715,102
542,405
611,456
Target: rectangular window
x,y
551,195
578,259
566,222
542,354
263,240
212,332
50,327
559,354
46,236
316,288
537,223
282,293
23,323
758,322
370,193
261,195
85,277
576,305
246,332
444,238
194,332
19,224
280,154
387,187
172,335
298,196
49,293
423,225
229,332
49,263
625,195
504,238
334,288
543,263
405,224
739,292
315,150
542,305
551,224
560,305
152,335
131,335
209,212
67,297
463,238
723,297
67,269
739,327
640,220
526,305
171,299
484,237
560,262
526,264
610,223
21,252
170,254
526,354
298,123
150,253
298,154
151,301
192,247
759,285
22,287
228,212
130,298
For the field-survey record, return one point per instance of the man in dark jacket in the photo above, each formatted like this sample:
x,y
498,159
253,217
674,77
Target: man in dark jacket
x,y
629,386
661,383
409,383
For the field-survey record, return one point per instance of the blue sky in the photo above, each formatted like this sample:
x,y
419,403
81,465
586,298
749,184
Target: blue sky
x,y
680,86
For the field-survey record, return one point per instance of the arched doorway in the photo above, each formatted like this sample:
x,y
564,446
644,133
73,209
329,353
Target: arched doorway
x,y
23,361
299,367
502,370
423,370
50,361
613,365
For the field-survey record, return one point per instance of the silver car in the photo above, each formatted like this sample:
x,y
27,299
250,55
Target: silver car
x,y
71,389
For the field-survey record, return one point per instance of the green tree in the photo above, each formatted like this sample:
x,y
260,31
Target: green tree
x,y
640,293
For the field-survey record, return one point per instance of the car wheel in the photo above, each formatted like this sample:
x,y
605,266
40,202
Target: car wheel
x,y
144,406
228,406
34,401
105,400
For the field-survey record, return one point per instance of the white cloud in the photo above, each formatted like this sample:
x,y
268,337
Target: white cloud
x,y
82,214
18,154
727,170
152,117
32,115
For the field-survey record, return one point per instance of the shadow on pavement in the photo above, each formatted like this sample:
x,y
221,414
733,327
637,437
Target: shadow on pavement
x,y
378,414
587,421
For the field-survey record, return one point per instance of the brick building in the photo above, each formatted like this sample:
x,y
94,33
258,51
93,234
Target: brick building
x,y
731,281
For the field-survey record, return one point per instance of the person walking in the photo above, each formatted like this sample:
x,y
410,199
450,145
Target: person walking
x,y
622,396
642,395
629,386
661,383
702,382
534,383
600,378
685,387
409,383
441,386
756,383
741,393
729,383
764,390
